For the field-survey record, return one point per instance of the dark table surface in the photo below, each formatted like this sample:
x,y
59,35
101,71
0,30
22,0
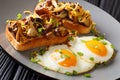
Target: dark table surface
x,y
13,70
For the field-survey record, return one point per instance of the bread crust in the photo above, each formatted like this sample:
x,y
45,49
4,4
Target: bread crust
x,y
75,26
35,42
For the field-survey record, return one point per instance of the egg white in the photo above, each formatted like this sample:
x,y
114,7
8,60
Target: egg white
x,y
46,60
78,45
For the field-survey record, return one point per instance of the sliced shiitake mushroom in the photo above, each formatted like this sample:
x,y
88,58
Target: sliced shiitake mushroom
x,y
60,8
61,31
63,14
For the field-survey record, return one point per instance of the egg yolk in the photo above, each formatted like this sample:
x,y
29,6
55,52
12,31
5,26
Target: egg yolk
x,y
96,47
64,58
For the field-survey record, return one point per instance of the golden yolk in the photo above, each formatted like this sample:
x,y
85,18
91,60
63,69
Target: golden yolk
x,y
65,58
96,47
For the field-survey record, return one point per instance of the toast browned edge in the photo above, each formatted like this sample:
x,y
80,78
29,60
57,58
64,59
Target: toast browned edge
x,y
35,42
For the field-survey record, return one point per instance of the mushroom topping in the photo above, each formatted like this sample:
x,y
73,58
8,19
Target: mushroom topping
x,y
61,31
32,32
62,14
12,26
19,33
60,8
54,3
86,20
43,11
16,29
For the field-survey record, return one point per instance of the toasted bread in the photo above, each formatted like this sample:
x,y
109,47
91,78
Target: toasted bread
x,y
35,42
47,18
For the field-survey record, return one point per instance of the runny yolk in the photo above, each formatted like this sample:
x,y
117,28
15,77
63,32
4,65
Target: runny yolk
x,y
96,47
64,58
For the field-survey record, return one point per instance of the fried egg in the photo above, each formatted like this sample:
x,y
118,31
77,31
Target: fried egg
x,y
61,59
92,49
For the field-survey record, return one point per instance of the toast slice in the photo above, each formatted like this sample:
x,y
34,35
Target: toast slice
x,y
51,23
35,42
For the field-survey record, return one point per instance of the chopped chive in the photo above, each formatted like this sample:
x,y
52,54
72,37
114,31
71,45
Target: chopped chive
x,y
112,46
40,29
41,0
58,69
105,63
54,22
51,20
105,43
34,54
87,75
79,18
34,60
70,38
92,31
68,73
42,51
101,37
80,53
98,38
75,72
74,53
91,58
65,56
73,32
46,68
60,51
7,21
19,16
83,41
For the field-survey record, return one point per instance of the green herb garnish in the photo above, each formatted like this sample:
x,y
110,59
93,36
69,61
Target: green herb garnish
x,y
41,0
105,43
60,51
70,38
68,73
79,18
7,21
87,75
75,72
112,46
42,51
104,63
19,16
54,22
46,68
34,60
40,29
58,69
83,41
34,54
80,53
98,38
73,32
93,31
65,56
92,58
